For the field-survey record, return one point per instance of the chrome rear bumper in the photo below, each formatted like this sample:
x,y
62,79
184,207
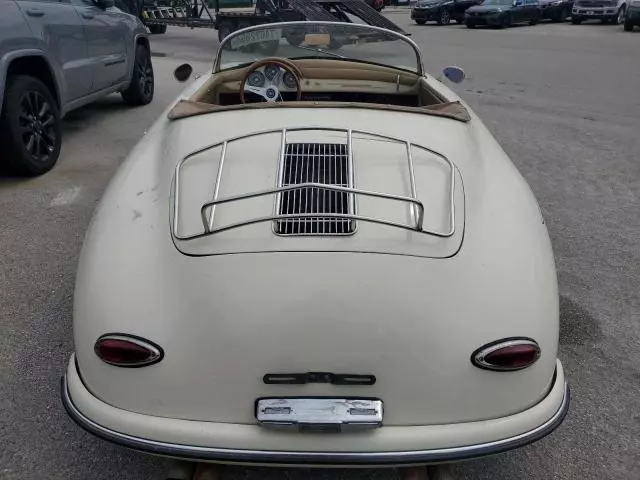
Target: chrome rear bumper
x,y
337,458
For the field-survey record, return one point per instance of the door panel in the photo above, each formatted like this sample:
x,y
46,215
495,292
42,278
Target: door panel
x,y
458,8
107,33
59,29
518,13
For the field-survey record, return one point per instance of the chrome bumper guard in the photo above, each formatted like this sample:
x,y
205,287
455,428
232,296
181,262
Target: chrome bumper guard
x,y
399,458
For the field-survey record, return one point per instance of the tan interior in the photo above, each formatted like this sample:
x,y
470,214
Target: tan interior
x,y
328,76
322,75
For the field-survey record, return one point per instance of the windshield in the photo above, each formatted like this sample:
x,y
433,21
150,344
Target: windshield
x,y
497,2
338,41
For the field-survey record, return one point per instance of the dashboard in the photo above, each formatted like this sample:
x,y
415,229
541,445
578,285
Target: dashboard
x,y
272,74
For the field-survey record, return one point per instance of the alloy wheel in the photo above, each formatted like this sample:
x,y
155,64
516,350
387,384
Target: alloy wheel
x,y
445,18
145,76
620,18
36,123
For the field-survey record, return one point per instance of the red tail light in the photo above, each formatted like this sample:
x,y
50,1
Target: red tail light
x,y
124,350
508,354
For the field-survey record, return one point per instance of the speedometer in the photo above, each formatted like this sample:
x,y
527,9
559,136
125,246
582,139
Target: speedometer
x,y
256,79
289,80
270,71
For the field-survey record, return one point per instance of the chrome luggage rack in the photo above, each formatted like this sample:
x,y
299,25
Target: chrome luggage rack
x,y
207,210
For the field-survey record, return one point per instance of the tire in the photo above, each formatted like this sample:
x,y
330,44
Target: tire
x,y
142,85
559,16
225,28
576,21
444,18
157,29
420,21
534,20
268,48
470,25
246,48
30,132
335,43
628,25
294,38
505,22
621,14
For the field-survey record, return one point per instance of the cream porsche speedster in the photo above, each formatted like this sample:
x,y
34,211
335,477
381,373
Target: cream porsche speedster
x,y
319,255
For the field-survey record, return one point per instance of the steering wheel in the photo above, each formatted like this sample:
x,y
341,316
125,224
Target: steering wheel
x,y
270,90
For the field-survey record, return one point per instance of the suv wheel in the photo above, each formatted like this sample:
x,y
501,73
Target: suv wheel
x,y
141,88
444,18
621,14
29,127
628,25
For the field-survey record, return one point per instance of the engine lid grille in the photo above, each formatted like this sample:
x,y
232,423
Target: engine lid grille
x,y
324,163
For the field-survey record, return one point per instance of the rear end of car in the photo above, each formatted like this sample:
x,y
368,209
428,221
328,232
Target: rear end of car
x,y
337,332
481,16
424,11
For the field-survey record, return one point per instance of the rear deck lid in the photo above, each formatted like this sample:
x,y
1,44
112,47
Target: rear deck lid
x,y
317,190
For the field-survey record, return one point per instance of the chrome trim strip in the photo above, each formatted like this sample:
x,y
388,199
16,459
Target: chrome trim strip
x,y
412,180
316,458
216,189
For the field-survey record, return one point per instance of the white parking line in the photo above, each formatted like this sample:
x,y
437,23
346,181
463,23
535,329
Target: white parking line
x,y
65,197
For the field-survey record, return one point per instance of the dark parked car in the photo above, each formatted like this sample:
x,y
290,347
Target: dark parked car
x,y
556,10
503,13
441,11
632,17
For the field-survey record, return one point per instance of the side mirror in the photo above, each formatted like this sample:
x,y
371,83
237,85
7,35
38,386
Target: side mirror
x,y
454,74
104,4
183,72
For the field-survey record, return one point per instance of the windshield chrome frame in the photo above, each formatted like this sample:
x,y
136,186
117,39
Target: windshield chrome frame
x,y
416,49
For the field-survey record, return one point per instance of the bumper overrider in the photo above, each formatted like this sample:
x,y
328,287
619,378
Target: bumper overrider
x,y
244,443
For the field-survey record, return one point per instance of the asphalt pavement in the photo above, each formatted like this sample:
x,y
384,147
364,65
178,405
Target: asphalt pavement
x,y
563,100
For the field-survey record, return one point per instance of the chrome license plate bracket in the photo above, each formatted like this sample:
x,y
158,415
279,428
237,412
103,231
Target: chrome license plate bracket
x,y
314,415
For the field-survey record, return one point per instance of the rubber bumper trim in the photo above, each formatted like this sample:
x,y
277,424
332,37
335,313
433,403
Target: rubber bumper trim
x,y
398,458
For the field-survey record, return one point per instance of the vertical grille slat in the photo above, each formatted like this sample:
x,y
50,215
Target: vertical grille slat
x,y
324,163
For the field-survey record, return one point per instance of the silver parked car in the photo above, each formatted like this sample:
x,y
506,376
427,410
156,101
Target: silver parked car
x,y
56,56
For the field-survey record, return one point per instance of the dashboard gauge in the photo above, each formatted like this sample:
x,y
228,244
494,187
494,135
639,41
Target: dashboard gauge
x,y
289,80
271,71
256,79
